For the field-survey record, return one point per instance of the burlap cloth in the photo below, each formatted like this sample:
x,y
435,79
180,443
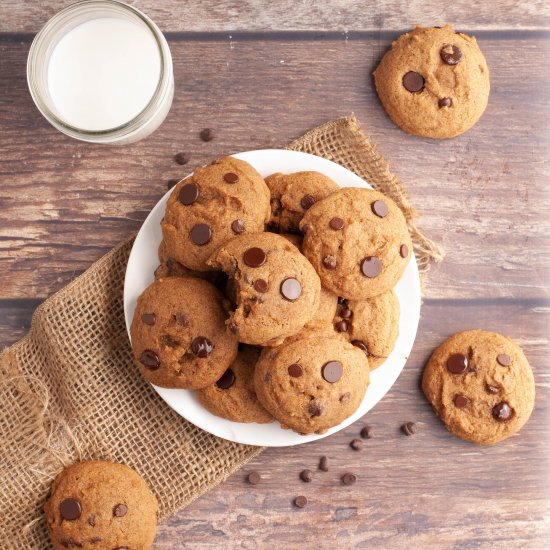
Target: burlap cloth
x,y
69,390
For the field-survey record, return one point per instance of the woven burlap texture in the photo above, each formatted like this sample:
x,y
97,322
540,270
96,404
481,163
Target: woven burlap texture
x,y
70,392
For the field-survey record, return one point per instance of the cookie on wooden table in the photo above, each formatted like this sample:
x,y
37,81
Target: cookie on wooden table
x,y
481,385
433,82
103,505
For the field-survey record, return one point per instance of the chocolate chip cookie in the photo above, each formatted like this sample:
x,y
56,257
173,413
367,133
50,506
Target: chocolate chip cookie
x,y
481,385
212,206
276,290
293,194
433,82
179,336
233,395
358,242
103,505
313,383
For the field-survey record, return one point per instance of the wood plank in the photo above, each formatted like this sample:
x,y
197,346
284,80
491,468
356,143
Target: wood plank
x,y
483,194
290,15
15,320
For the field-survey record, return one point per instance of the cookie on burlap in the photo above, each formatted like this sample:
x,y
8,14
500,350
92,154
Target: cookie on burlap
x,y
179,336
216,203
233,395
103,505
276,290
358,242
313,383
372,325
433,82
293,194
481,385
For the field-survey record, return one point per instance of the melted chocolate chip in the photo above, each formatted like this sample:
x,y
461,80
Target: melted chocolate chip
x,y
492,389
91,520
371,267
276,205
149,318
457,363
150,360
336,224
230,177
260,285
180,319
346,313
295,370
504,360
254,257
341,326
201,234
120,510
502,411
332,371
307,202
361,345
314,409
345,397
329,262
227,380
444,102
237,226
450,55
460,401
413,82
70,509
201,347
291,289
380,208
403,250
188,194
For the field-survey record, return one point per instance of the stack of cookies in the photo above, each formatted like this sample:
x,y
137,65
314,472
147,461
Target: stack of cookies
x,y
273,298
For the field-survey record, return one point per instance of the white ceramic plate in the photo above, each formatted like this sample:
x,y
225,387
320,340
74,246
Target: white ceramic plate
x,y
140,273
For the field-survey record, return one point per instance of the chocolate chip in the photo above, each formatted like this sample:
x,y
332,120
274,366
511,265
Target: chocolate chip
x,y
492,389
336,224
202,347
409,428
182,158
230,177
356,444
371,267
227,380
332,371
276,205
180,319
444,102
307,201
403,250
201,234
207,134
457,363
345,397
504,360
366,432
295,370
189,193
95,540
300,501
120,510
346,313
341,326
460,401
237,226
291,289
380,208
172,183
91,520
150,360
260,285
348,478
329,262
502,411
450,54
361,345
413,82
254,257
306,475
70,509
323,464
149,318
254,478
314,409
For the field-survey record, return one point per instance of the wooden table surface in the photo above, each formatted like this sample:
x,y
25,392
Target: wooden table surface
x,y
261,73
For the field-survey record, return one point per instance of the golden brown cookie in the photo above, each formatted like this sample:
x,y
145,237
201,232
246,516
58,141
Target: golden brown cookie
x,y
293,194
103,505
276,289
313,383
233,395
434,82
372,325
218,202
481,385
358,242
179,336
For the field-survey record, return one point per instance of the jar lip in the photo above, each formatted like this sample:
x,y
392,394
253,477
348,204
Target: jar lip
x,y
121,130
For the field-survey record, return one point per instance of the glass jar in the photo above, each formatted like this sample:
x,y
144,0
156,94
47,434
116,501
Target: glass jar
x,y
141,124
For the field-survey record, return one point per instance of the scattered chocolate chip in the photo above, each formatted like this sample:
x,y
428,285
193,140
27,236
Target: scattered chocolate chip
x,y
207,134
332,371
492,389
348,478
201,347
300,501
403,250
409,428
120,510
150,360
356,444
201,234
444,102
341,326
450,54
182,158
260,285
380,208
336,224
227,380
91,520
306,475
345,397
180,319
189,193
371,267
314,409
171,183
366,432
291,289
237,226
504,360
254,257
346,313
295,370
254,478
413,82
230,177
70,509
361,345
329,262
502,411
323,464
149,318
457,363
460,401
307,201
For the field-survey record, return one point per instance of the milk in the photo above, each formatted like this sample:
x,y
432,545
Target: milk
x,y
103,73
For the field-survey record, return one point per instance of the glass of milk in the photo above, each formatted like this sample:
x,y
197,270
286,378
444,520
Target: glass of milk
x,y
101,71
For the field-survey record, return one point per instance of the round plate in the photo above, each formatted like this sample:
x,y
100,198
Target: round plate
x,y
140,273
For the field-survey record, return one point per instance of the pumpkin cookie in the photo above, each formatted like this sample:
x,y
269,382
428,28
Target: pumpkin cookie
x,y
433,82
481,385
